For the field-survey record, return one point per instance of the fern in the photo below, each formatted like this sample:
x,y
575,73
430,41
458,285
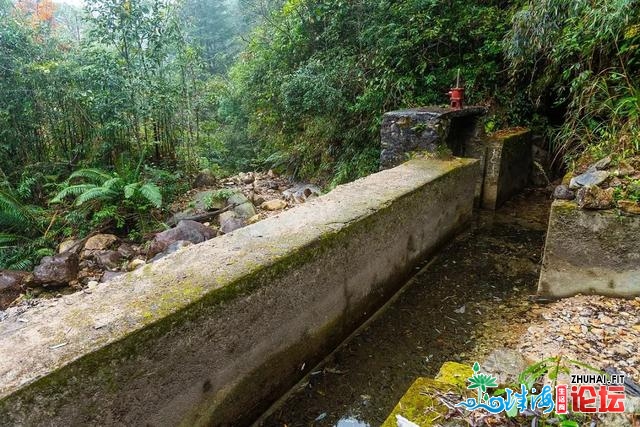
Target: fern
x,y
112,183
16,216
9,239
93,175
130,190
96,193
152,193
73,190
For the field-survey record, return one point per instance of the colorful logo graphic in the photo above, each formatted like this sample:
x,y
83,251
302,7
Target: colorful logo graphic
x,y
586,394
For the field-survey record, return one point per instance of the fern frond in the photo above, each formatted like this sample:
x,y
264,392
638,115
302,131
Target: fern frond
x,y
96,193
152,193
112,183
130,189
93,175
10,239
72,190
13,214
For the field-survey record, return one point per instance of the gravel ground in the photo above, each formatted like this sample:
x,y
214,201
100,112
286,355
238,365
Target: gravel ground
x,y
595,330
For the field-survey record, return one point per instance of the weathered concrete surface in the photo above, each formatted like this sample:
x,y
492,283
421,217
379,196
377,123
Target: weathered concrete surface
x,y
507,165
213,333
424,129
590,252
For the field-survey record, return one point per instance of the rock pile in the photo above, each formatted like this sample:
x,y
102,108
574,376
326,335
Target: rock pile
x,y
229,204
604,184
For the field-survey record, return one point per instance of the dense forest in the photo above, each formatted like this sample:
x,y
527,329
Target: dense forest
x,y
108,111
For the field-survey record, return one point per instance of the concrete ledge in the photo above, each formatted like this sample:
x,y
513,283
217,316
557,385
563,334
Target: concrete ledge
x,y
403,132
590,252
213,334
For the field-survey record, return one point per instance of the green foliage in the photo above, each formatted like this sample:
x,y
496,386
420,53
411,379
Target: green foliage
x,y
550,367
108,197
22,225
308,93
585,57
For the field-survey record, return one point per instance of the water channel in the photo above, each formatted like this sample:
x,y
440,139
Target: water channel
x,y
471,298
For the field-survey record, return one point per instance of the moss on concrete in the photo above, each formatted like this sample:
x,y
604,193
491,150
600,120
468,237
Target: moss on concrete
x,y
187,294
455,374
421,405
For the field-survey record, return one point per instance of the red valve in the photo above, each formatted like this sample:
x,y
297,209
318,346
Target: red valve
x,y
457,97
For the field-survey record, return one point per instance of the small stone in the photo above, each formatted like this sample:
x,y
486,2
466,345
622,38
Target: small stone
x,y
274,205
629,207
126,250
588,178
606,320
66,245
593,197
254,219
100,242
247,178
602,164
135,264
562,192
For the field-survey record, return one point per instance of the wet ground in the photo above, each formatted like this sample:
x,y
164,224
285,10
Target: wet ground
x,y
473,297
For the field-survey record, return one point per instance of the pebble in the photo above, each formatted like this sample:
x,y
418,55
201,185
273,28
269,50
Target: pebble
x,y
594,330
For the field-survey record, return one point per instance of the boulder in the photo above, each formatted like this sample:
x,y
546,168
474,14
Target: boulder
x,y
243,208
274,205
231,224
109,275
591,177
562,192
190,231
10,286
204,201
57,270
100,242
593,197
205,178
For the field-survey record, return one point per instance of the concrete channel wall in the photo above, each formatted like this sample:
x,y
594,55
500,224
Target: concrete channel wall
x,y
590,252
213,334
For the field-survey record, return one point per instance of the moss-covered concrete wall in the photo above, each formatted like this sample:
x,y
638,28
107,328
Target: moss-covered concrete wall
x,y
590,252
213,334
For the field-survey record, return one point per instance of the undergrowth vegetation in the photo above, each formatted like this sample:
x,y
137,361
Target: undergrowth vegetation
x,y
298,86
